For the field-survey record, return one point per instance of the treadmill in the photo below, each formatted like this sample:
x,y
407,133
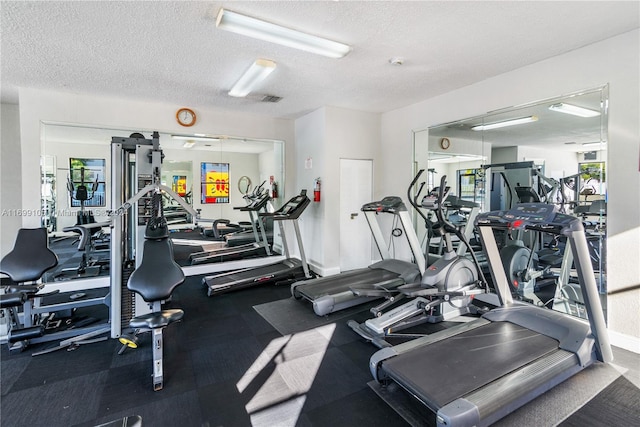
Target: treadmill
x,y
259,247
288,270
332,293
478,372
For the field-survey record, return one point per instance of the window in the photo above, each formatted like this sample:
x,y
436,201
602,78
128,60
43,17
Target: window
x,y
86,183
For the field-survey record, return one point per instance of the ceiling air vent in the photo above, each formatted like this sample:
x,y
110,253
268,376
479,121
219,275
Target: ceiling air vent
x,y
271,98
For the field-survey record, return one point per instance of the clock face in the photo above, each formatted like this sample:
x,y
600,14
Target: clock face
x,y
186,117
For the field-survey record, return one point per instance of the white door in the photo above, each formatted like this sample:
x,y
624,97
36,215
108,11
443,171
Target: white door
x,y
356,189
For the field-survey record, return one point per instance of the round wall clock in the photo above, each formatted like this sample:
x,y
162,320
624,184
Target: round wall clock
x,y
445,143
186,117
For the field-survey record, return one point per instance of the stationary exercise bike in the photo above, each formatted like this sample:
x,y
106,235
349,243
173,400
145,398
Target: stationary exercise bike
x,y
446,289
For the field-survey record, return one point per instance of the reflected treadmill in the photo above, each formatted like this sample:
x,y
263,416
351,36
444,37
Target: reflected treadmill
x,y
476,373
288,270
257,248
344,290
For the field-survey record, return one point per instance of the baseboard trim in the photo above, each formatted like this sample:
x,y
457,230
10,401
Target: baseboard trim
x,y
323,271
626,342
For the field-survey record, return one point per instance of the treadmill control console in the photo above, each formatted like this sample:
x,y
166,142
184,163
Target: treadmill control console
x,y
292,209
431,200
390,204
533,216
256,204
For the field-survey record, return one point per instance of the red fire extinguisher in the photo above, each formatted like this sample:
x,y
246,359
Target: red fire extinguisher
x,y
316,190
274,190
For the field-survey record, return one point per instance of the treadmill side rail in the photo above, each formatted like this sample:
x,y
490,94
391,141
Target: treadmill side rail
x,y
510,392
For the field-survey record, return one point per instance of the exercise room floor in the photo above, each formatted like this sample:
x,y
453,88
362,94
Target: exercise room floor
x,y
225,365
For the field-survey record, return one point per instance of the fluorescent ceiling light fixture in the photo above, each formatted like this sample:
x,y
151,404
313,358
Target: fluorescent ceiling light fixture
x,y
189,144
594,144
257,72
456,158
256,28
574,110
506,123
195,138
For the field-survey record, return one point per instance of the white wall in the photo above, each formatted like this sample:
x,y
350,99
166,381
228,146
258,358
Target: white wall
x,y
311,153
325,136
615,62
38,106
557,163
10,155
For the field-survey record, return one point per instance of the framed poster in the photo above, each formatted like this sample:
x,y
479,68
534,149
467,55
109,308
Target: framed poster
x,y
179,185
214,178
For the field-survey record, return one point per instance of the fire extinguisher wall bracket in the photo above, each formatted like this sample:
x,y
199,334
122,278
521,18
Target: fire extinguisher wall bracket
x,y
316,190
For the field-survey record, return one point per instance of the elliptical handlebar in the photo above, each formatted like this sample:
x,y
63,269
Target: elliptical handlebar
x,y
257,192
443,192
412,200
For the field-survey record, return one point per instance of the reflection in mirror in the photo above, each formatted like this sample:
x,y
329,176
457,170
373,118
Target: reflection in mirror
x,y
198,169
244,184
553,151
178,175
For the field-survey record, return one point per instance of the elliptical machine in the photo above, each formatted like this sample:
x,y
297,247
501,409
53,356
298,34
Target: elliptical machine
x,y
446,290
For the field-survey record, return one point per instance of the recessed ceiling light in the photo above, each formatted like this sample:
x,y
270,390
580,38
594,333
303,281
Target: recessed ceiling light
x,y
396,61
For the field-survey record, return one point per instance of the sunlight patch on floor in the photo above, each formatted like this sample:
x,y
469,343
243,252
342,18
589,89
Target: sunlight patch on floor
x,y
282,375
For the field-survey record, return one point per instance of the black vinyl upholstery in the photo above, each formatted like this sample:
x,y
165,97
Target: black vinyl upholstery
x,y
157,319
158,274
30,257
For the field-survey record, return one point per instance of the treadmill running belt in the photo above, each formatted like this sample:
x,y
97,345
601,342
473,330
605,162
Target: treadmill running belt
x,y
254,274
365,277
446,370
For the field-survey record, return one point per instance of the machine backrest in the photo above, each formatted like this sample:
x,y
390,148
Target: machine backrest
x,y
30,257
158,274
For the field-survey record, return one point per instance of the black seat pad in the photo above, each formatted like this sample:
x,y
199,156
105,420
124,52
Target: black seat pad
x,y
157,319
158,274
13,299
30,256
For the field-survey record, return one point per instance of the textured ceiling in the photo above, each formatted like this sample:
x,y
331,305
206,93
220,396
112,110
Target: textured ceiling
x,y
171,52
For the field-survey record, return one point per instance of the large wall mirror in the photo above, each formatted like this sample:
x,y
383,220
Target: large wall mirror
x,y
554,151
203,170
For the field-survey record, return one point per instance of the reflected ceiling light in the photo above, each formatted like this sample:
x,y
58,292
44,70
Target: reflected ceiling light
x,y
594,144
189,144
506,123
257,72
456,158
195,138
573,110
256,28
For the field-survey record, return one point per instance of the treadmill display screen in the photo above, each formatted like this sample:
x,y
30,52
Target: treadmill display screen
x,y
291,205
530,213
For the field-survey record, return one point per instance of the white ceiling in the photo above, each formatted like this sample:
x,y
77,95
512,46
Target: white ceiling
x,y
171,51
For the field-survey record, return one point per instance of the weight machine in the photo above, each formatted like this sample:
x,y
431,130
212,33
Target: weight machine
x,y
136,163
